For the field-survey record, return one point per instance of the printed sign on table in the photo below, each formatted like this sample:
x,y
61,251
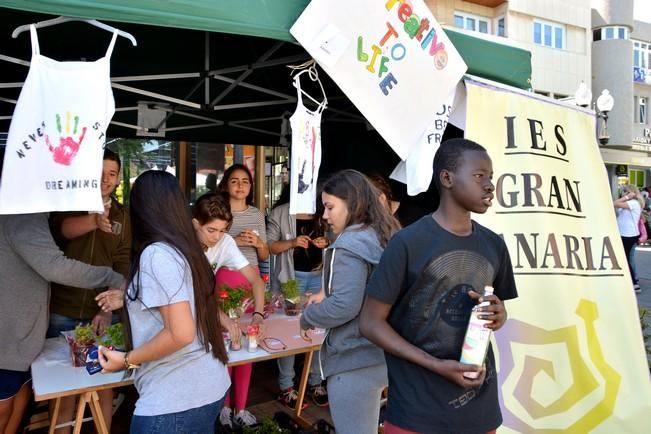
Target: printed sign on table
x,y
391,58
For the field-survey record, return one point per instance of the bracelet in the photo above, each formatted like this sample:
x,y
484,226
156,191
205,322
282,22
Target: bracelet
x,y
128,365
258,313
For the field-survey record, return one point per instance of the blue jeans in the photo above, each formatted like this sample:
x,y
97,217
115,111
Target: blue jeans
x,y
199,420
308,281
631,261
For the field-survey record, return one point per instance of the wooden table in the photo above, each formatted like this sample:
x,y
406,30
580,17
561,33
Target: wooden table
x,y
54,377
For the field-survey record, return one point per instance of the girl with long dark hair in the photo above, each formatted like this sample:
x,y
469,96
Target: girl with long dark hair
x,y
174,338
354,368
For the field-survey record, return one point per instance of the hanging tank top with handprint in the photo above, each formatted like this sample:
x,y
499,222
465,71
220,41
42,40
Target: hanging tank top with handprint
x,y
305,154
53,159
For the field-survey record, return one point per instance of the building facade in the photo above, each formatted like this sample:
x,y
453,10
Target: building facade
x,y
592,41
620,63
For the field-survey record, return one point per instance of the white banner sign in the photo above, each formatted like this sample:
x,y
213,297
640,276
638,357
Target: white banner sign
x,y
391,58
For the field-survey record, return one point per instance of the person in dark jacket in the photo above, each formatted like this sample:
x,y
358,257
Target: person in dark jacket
x,y
95,239
29,260
353,366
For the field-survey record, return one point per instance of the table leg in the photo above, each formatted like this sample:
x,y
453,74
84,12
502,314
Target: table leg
x,y
81,406
302,386
98,417
55,416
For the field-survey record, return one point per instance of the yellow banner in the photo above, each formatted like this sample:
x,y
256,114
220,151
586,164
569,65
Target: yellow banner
x,y
571,357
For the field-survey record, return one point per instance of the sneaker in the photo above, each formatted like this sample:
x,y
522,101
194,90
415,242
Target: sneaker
x,y
319,395
289,397
226,417
637,288
244,418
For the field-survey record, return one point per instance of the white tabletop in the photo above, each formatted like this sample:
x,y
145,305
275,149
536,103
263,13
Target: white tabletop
x,y
53,374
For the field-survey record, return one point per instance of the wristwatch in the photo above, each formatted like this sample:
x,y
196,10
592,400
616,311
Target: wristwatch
x,y
127,365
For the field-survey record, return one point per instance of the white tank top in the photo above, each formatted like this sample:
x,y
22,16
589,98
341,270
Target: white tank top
x,y
53,159
305,154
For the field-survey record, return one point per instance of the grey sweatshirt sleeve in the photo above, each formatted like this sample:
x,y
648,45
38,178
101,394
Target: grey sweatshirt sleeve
x,y
31,239
349,275
273,227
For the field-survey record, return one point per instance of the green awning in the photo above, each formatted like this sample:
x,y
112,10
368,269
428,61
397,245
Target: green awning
x,y
269,19
265,18
492,60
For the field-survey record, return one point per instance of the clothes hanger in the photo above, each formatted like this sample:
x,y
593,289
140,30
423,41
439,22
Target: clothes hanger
x,y
60,20
309,67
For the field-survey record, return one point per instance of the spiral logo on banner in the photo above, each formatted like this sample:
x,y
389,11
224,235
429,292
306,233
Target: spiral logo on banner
x,y
590,384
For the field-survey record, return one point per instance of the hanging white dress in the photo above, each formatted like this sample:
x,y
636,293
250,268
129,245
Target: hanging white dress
x,y
305,153
53,159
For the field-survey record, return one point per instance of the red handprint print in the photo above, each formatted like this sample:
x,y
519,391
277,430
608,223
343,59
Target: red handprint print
x,y
67,148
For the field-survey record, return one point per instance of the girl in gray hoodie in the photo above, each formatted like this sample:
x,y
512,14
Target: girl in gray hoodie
x,y
354,367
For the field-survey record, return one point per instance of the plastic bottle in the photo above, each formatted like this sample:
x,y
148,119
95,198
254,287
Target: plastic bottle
x,y
475,344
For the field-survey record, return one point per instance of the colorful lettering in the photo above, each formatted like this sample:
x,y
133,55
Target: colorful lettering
x,y
387,83
404,12
424,25
361,55
376,50
436,46
397,47
391,3
411,26
391,31
383,66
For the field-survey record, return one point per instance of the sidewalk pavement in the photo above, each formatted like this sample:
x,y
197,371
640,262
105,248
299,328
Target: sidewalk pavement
x,y
643,270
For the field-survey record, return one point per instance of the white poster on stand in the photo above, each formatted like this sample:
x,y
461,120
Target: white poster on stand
x,y
391,59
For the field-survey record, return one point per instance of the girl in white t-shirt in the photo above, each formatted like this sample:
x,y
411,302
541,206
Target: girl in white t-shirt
x,y
212,219
629,209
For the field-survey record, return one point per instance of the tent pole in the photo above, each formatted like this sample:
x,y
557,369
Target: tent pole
x,y
259,181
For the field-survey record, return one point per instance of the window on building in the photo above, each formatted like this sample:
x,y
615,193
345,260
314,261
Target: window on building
x,y
500,26
549,34
610,32
636,177
641,61
642,105
476,23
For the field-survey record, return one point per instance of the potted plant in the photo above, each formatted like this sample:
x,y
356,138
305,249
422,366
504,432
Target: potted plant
x,y
267,426
80,342
291,297
232,300
113,337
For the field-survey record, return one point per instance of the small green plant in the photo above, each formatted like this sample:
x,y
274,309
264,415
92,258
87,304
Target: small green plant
x,y
232,299
268,426
85,334
646,331
289,290
113,336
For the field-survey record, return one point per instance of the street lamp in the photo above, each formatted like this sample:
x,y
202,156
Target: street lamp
x,y
583,95
605,104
